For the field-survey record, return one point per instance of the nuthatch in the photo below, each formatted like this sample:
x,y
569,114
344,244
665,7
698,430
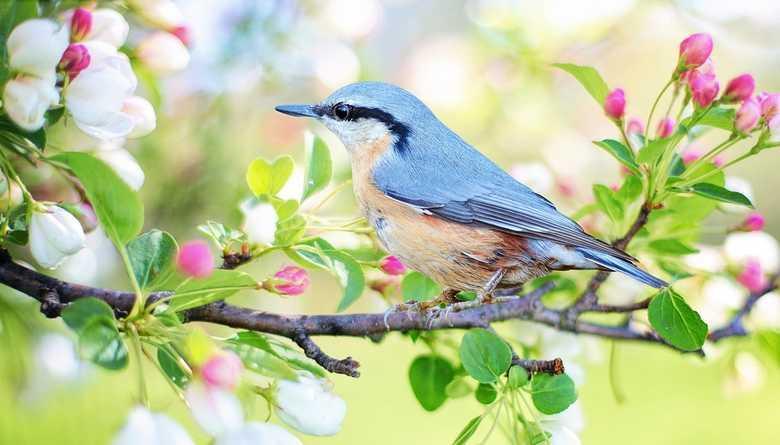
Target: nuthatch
x,y
444,208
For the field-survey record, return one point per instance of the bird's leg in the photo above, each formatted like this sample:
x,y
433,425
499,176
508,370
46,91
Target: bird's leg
x,y
487,291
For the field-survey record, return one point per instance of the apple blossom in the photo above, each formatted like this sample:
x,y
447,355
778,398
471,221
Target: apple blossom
x,y
259,222
703,87
125,165
26,99
774,129
635,126
391,265
747,116
182,32
163,53
563,427
695,50
80,24
309,406
217,411
665,127
35,47
739,88
222,370
252,433
752,276
689,156
162,13
615,104
290,280
146,427
54,235
106,26
739,247
770,105
195,259
753,221
143,115
74,60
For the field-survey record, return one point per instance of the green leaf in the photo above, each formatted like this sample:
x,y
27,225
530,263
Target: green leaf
x,y
630,190
721,194
468,431
605,198
350,276
518,377
289,231
292,357
151,255
418,287
620,152
718,117
100,342
457,388
650,153
218,286
267,179
429,376
222,235
117,206
769,341
320,168
552,394
486,393
484,355
589,78
171,369
676,322
82,311
671,246
262,362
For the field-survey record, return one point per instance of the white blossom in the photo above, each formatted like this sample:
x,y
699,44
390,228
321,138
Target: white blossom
x,y
144,427
143,115
254,433
747,375
720,297
108,26
26,99
309,406
259,222
763,247
54,235
766,312
163,13
217,411
564,427
163,53
35,47
707,259
125,165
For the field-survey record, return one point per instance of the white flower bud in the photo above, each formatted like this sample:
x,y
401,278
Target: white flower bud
x,y
108,26
258,433
26,99
259,222
35,47
145,427
309,406
142,112
54,235
163,53
125,165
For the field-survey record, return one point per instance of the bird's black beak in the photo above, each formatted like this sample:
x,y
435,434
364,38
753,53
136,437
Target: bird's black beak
x,y
298,110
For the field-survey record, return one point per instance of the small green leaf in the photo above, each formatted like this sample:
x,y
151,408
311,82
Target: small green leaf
x,y
468,431
350,276
293,358
769,341
418,287
718,117
320,168
630,190
676,322
552,394
484,355
116,205
486,393
605,198
722,194
100,342
267,179
620,152
289,231
79,313
650,153
262,362
671,246
151,255
218,286
589,78
518,377
171,369
429,376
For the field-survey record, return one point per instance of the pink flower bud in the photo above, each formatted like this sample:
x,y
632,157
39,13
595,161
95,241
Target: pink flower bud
x,y
752,277
195,259
689,156
391,265
75,59
182,33
80,24
718,161
615,103
770,104
747,116
695,50
615,187
753,222
222,370
634,126
706,68
291,280
704,88
739,88
665,127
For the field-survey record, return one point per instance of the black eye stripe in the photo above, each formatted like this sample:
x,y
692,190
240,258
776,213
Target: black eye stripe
x,y
399,129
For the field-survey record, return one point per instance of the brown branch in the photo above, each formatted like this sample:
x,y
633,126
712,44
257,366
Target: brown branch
x,y
346,366
736,327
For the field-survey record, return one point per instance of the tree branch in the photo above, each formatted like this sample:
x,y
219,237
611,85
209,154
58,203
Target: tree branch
x,y
736,327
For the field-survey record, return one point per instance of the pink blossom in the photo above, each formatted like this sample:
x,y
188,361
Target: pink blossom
x,y
747,116
704,88
182,33
690,155
665,127
770,104
222,370
752,276
195,259
634,126
615,104
718,161
739,88
695,50
706,68
74,60
391,265
80,24
753,222
291,280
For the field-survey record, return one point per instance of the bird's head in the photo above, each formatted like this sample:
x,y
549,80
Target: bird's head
x,y
363,112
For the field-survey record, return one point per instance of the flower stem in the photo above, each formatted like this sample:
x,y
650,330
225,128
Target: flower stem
x,y
136,342
655,104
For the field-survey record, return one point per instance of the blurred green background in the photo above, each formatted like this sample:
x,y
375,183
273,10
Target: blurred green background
x,y
483,67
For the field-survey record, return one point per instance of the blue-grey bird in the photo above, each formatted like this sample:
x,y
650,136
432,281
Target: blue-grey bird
x,y
445,209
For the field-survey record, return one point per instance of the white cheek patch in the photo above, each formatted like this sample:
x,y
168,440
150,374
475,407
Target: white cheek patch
x,y
354,134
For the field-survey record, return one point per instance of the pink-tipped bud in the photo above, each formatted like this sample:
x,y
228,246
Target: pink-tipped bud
x,y
635,126
752,276
665,127
747,116
739,88
695,50
704,88
391,265
195,259
690,156
182,32
718,161
290,280
80,24
753,222
615,187
222,370
770,105
615,103
74,60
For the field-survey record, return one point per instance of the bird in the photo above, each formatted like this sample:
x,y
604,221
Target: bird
x,y
445,209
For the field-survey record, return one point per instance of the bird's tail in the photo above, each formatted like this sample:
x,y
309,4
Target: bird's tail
x,y
620,265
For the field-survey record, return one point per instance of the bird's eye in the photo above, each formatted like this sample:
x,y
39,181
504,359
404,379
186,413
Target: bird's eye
x,y
341,111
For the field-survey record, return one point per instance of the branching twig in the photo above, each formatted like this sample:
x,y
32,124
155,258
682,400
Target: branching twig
x,y
736,327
